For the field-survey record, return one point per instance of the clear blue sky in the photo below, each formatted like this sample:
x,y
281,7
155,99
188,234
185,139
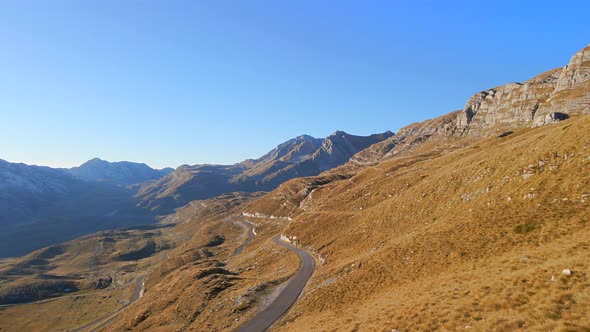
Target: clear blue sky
x,y
173,82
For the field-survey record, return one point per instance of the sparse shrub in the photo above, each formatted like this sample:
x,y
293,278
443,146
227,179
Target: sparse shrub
x,y
525,228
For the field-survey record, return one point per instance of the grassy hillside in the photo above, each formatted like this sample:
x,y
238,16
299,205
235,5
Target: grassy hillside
x,y
476,237
301,156
449,236
78,281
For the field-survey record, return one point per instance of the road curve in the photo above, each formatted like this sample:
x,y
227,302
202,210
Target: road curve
x,y
287,297
137,293
248,240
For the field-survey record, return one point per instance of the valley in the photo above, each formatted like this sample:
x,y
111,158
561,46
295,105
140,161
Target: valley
x,y
473,245
476,219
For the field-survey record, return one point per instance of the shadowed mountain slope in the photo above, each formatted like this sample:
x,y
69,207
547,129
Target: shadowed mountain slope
x,y
476,220
298,157
40,206
442,239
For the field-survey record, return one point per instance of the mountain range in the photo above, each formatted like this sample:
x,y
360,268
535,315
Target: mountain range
x,y
299,157
474,220
119,173
100,195
40,206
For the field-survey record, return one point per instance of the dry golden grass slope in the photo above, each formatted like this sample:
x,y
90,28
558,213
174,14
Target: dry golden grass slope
x,y
192,279
450,235
457,235
202,286
80,280
472,238
447,225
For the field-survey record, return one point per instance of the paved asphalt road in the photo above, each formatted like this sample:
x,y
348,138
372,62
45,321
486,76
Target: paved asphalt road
x,y
136,295
250,237
287,297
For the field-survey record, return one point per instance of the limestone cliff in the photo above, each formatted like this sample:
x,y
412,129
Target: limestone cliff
x,y
549,97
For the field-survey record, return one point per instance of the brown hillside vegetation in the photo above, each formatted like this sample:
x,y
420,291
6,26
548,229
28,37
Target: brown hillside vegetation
x,y
78,281
469,238
447,237
300,156
477,220
203,286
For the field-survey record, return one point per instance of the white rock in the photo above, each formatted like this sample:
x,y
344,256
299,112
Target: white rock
x,y
566,272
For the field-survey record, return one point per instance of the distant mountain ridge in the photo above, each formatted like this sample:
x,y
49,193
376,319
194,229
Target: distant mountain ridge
x,y
467,221
121,172
297,157
40,206
22,185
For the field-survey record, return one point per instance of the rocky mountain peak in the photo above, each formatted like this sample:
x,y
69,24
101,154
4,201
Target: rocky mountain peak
x,y
305,137
552,95
301,156
576,73
339,147
121,172
96,160
549,97
338,133
293,149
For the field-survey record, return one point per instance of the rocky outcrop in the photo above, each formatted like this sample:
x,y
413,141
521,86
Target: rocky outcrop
x,y
577,73
407,139
541,100
102,282
572,91
293,150
551,118
550,97
339,147
508,106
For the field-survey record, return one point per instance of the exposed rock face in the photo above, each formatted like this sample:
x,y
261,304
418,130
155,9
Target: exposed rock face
x,y
508,106
340,146
577,73
408,138
572,91
293,150
547,98
553,117
298,157
563,90
102,283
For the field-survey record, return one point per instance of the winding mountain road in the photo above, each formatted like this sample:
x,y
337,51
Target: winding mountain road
x,y
251,234
281,304
137,293
262,320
